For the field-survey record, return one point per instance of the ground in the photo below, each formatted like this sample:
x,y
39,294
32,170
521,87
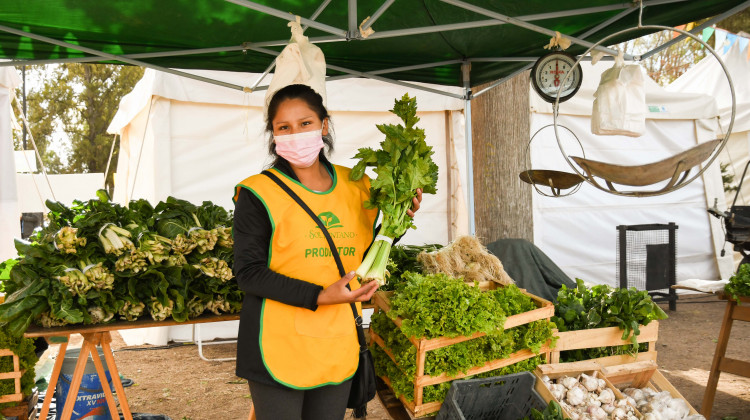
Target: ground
x,y
176,382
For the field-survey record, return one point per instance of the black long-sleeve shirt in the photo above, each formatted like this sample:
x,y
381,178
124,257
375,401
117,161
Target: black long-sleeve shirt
x,y
252,237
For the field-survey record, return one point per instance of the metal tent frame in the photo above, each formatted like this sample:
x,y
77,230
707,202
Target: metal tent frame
x,y
353,31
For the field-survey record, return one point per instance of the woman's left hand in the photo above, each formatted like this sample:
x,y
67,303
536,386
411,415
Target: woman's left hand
x,y
415,203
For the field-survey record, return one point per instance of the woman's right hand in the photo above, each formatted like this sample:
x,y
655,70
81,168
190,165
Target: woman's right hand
x,y
338,293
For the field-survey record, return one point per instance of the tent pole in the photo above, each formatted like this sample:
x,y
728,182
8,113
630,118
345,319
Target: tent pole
x,y
529,26
376,15
362,74
608,22
465,71
503,80
353,32
289,17
115,57
134,56
699,28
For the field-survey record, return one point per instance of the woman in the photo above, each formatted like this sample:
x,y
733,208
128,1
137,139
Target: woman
x,y
297,343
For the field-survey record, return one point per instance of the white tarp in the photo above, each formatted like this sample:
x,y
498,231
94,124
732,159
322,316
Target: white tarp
x,y
708,77
10,222
33,189
675,122
201,140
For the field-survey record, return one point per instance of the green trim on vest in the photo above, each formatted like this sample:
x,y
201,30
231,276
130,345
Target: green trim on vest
x,y
268,369
330,190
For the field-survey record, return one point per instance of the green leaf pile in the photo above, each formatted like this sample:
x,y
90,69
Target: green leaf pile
x,y
24,349
98,261
436,305
739,284
601,306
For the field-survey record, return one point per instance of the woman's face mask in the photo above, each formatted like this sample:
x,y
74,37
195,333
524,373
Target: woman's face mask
x,y
298,133
300,149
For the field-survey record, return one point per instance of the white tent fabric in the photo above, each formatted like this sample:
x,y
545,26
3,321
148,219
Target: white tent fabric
x,y
201,140
10,226
33,189
675,122
708,77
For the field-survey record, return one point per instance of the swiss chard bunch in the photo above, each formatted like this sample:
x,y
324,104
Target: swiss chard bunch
x,y
403,164
97,261
739,284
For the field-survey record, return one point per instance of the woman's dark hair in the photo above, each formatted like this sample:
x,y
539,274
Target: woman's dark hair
x,y
313,100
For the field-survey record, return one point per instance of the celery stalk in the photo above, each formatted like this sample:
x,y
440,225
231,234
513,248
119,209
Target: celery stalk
x,y
367,262
377,270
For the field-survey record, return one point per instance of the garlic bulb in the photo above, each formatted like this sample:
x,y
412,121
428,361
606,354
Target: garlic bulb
x,y
680,407
596,412
609,408
568,382
546,380
590,382
619,413
558,391
575,396
607,396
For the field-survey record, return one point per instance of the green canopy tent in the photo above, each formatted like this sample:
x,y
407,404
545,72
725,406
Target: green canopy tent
x,y
444,42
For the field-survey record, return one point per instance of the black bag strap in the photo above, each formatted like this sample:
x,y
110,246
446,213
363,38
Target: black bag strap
x,y
334,251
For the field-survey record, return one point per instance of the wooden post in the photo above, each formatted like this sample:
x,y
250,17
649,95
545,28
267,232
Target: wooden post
x,y
500,132
96,338
53,379
75,382
106,339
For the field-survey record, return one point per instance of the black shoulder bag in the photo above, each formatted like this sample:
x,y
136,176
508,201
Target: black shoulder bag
x,y
363,382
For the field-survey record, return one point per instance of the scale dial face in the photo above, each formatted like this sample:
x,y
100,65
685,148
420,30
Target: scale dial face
x,y
548,73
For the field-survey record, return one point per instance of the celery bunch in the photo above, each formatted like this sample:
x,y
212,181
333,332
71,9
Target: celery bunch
x,y
403,164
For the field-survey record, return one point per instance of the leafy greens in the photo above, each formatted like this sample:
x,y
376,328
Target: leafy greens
x,y
403,164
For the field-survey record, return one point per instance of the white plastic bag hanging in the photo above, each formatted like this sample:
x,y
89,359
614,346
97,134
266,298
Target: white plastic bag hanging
x,y
300,62
620,101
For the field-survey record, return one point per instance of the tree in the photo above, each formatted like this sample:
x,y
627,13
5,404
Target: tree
x,y
80,100
738,22
669,64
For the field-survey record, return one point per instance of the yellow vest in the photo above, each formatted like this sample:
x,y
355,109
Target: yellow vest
x,y
302,348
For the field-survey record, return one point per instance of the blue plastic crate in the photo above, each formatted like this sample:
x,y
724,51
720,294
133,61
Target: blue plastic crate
x,y
508,397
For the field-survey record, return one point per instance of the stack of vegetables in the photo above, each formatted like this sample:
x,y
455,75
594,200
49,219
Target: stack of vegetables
x,y
601,306
434,306
98,261
739,284
590,397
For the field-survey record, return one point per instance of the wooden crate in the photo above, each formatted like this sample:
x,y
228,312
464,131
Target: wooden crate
x,y
16,374
558,370
607,337
640,375
416,408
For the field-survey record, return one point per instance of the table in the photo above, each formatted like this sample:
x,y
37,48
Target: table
x,y
99,335
721,363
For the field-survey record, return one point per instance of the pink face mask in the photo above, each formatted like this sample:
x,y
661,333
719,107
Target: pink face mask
x,y
300,149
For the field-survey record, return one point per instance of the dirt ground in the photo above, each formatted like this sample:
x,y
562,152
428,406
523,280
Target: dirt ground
x,y
174,381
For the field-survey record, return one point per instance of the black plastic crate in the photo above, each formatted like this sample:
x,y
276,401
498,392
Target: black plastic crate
x,y
508,397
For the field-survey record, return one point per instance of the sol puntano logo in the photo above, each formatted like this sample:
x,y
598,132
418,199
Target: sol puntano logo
x,y
335,228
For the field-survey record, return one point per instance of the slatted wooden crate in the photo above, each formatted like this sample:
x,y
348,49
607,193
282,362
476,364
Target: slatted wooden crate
x,y
417,408
607,337
558,370
641,375
15,374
